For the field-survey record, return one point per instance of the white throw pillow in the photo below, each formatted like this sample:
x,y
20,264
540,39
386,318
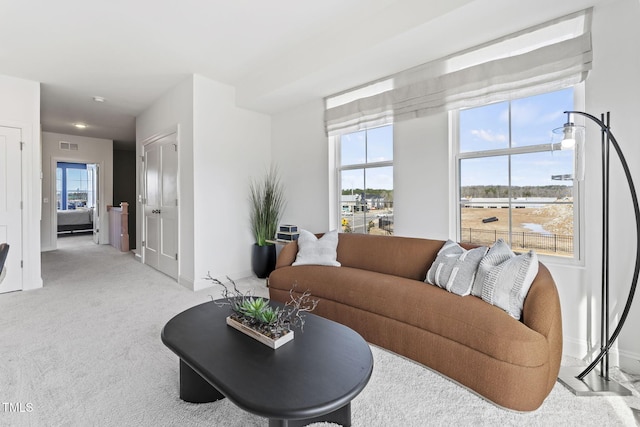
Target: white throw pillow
x,y
314,251
497,254
504,278
454,268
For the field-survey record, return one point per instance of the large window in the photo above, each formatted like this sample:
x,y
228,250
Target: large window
x,y
73,186
366,181
514,181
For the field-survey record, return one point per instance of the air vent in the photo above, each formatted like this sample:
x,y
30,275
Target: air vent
x,y
69,146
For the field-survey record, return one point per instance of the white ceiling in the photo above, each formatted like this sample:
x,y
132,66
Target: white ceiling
x,y
277,53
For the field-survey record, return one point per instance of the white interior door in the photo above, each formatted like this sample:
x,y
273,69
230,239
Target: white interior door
x,y
93,174
160,240
151,227
10,206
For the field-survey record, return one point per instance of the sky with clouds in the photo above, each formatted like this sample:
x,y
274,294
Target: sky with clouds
x,y
532,122
370,146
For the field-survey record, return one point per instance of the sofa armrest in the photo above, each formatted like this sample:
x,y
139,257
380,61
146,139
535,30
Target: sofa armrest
x,y
287,254
541,312
542,305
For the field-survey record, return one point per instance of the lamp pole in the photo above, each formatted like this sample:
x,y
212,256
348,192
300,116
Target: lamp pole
x,y
606,387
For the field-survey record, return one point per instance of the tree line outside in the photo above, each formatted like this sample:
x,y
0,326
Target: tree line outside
x,y
386,194
495,191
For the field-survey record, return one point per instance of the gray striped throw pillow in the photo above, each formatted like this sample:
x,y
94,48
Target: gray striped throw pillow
x,y
455,268
504,278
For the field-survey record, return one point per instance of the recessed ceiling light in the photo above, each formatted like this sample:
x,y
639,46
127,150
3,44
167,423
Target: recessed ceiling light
x,y
99,99
80,125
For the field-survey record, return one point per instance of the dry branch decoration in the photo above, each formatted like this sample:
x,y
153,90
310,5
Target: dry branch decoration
x,y
256,313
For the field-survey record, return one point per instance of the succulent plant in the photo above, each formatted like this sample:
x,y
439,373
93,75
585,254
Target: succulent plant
x,y
253,307
269,315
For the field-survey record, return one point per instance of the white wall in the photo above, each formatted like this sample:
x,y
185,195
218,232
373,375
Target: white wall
x,y
90,150
301,150
420,172
20,107
173,111
421,181
231,145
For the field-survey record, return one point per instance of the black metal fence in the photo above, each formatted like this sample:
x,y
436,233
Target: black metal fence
x,y
521,240
386,224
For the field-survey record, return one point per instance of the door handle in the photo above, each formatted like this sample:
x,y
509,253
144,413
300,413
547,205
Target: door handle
x,y
156,211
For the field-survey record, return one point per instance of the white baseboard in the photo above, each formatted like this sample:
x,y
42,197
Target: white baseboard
x,y
204,283
630,362
626,360
187,283
34,285
574,348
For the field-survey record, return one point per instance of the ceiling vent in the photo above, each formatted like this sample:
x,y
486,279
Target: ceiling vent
x,y
69,146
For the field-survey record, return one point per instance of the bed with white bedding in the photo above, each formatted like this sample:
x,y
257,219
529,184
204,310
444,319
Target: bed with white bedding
x,y
75,220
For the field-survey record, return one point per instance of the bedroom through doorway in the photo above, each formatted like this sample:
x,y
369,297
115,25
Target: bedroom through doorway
x,y
77,203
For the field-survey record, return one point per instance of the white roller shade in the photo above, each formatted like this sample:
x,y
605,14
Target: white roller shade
x,y
540,59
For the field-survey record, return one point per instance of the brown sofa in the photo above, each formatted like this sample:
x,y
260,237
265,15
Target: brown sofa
x,y
379,291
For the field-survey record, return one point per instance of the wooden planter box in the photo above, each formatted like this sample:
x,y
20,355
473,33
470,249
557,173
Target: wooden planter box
x,y
258,336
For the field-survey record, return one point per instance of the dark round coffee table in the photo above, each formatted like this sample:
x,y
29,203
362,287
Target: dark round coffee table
x,y
310,379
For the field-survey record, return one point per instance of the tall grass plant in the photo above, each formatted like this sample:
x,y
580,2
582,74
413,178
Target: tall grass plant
x,y
267,204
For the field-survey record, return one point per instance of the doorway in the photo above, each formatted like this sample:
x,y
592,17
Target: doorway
x,y
77,190
160,205
11,205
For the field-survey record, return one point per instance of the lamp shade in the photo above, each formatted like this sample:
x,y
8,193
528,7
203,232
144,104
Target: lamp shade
x,y
569,138
571,135
573,139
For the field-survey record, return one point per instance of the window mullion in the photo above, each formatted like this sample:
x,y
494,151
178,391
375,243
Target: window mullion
x,y
509,192
367,165
363,203
63,198
528,149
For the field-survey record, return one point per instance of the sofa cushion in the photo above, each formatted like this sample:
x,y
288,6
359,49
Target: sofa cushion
x,y
317,251
504,278
399,256
455,268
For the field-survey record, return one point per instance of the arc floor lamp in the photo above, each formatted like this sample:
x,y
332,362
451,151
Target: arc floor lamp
x,y
585,382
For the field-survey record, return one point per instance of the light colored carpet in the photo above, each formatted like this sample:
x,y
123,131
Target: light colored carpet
x,y
86,350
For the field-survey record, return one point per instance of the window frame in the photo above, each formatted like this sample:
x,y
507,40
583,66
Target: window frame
x,y
455,180
64,190
339,168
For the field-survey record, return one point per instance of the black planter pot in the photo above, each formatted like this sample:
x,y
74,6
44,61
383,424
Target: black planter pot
x,y
263,260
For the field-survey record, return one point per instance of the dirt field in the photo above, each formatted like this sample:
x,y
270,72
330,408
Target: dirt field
x,y
556,219
552,233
